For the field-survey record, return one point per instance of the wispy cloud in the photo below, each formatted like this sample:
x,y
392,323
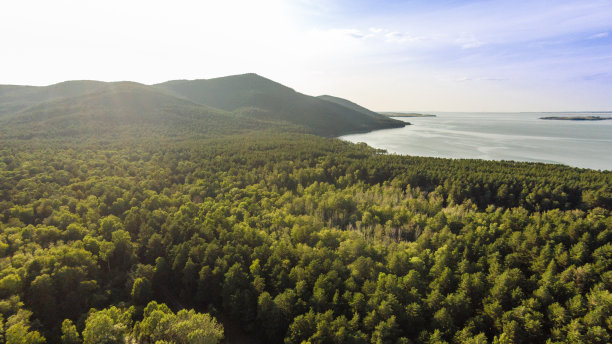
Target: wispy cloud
x,y
468,42
599,35
377,34
601,77
355,34
470,78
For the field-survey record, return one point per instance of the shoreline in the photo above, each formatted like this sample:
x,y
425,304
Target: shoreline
x,y
576,118
405,114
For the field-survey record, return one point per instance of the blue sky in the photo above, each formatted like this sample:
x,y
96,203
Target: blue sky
x,y
386,55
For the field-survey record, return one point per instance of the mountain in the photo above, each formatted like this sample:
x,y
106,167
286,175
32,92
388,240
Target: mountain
x,y
120,108
256,96
174,108
349,104
14,98
230,92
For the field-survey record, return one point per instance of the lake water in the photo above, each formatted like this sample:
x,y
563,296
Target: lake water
x,y
499,136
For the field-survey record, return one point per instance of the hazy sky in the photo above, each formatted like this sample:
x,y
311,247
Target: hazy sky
x,y
386,55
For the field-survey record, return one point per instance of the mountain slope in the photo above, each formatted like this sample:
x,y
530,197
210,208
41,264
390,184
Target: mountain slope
x,y
120,108
228,93
15,98
349,104
175,108
259,97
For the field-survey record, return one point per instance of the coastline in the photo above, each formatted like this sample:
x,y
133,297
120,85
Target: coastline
x,y
576,118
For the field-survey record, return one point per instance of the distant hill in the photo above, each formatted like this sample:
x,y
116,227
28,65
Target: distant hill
x,y
577,118
267,99
14,98
349,104
120,108
175,108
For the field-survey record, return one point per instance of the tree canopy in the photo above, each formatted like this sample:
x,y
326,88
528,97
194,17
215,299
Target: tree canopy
x,y
295,238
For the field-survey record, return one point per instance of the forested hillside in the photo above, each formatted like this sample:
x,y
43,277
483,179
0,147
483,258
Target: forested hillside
x,y
178,108
258,97
122,110
349,104
14,98
272,237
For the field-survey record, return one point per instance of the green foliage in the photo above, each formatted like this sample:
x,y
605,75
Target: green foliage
x,y
18,330
185,327
111,325
20,333
70,335
292,238
141,291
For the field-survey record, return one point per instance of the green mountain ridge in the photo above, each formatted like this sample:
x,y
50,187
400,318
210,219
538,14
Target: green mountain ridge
x,y
120,108
227,104
278,102
349,104
14,98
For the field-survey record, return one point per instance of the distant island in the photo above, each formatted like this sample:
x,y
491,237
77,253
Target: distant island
x,y
405,114
576,118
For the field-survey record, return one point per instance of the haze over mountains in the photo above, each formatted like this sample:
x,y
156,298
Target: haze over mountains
x,y
179,107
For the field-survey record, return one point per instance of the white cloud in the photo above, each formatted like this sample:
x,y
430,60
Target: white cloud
x,y
599,35
468,42
398,37
469,78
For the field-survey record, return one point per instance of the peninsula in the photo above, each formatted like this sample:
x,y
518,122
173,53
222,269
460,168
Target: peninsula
x,y
405,114
576,118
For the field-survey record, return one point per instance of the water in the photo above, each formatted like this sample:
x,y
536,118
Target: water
x,y
499,136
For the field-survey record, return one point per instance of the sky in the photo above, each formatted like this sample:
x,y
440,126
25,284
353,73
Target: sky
x,y
386,55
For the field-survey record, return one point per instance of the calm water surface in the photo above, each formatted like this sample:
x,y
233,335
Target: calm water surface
x,y
499,136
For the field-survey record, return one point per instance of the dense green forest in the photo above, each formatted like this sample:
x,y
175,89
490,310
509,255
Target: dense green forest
x,y
130,215
297,238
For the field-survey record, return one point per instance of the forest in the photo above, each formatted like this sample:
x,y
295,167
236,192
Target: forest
x,y
271,236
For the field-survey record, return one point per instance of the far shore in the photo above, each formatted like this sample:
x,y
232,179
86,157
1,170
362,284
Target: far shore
x,y
576,118
405,114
